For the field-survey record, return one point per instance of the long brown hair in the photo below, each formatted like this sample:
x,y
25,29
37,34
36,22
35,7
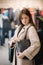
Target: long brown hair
x,y
27,12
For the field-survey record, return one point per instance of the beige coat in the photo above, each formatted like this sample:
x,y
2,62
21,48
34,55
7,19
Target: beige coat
x,y
33,49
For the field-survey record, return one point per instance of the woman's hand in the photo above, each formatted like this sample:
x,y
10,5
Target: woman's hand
x,y
20,55
11,41
16,39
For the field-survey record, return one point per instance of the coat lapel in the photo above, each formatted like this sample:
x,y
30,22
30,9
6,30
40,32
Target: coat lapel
x,y
22,31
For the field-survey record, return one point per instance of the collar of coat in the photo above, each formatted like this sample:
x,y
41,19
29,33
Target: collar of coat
x,y
23,29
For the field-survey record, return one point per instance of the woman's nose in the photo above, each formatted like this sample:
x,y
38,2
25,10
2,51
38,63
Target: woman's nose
x,y
23,20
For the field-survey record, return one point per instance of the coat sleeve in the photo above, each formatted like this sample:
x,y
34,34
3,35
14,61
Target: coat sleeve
x,y
35,44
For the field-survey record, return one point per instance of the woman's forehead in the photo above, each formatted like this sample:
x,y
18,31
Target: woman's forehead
x,y
24,15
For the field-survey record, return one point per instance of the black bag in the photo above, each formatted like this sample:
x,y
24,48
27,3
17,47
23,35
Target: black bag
x,y
11,53
23,44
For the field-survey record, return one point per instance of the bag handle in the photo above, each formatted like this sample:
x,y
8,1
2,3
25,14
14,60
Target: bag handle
x,y
19,30
27,31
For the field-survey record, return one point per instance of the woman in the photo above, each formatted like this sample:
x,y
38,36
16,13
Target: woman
x,y
25,20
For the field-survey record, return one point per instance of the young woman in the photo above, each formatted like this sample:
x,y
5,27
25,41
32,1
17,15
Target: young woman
x,y
25,20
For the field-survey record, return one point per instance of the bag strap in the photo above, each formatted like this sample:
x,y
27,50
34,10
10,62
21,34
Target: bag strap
x,y
19,30
15,57
27,31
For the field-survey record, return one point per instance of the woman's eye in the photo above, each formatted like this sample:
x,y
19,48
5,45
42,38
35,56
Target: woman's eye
x,y
23,18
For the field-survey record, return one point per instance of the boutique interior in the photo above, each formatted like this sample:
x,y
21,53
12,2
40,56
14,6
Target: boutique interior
x,y
9,12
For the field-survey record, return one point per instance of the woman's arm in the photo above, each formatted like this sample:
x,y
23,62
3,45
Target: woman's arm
x,y
35,44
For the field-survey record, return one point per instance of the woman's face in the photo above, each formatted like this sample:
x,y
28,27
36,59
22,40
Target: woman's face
x,y
25,19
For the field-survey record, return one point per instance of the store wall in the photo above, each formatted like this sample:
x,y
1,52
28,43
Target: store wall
x,y
15,4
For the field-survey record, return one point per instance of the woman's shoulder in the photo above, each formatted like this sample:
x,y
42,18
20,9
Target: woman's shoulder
x,y
31,28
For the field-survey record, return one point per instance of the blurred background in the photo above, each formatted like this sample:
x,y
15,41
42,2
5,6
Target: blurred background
x,y
9,12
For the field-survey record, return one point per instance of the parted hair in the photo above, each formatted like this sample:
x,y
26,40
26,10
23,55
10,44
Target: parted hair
x,y
27,12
